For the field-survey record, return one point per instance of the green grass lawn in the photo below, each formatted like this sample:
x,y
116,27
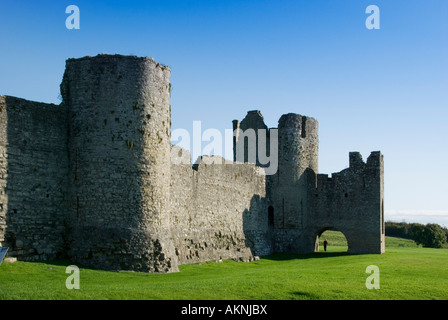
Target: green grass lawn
x,y
406,272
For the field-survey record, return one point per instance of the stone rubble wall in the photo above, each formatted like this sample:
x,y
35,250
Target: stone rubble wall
x,y
215,209
33,178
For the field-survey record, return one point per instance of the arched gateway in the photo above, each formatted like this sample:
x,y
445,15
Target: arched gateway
x,y
320,238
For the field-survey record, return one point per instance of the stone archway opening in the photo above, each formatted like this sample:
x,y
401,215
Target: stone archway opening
x,y
336,240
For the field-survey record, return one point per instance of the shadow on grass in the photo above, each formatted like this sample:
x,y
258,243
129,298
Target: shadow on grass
x,y
301,295
272,257
291,256
61,263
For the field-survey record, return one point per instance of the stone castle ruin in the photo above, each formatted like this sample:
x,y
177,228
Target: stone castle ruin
x,y
91,180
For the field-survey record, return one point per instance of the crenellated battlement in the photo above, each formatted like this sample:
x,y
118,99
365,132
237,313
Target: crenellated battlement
x,y
357,163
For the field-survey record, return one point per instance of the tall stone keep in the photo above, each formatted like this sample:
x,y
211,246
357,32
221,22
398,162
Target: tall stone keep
x,y
119,156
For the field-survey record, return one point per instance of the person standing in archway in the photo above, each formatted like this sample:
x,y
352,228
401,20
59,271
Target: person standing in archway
x,y
325,245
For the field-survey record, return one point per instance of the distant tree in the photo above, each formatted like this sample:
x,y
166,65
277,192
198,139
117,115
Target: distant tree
x,y
446,233
398,229
417,231
431,236
435,236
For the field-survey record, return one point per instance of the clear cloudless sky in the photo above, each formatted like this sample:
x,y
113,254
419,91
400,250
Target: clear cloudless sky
x,y
370,90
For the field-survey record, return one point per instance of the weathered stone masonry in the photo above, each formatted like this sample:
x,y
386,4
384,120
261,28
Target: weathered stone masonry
x,y
92,179
33,178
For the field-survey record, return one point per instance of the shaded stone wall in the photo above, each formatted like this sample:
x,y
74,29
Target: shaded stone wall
x,y
252,127
33,178
287,189
217,210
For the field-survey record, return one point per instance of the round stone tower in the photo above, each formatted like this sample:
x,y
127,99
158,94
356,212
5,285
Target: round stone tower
x,y
119,153
297,153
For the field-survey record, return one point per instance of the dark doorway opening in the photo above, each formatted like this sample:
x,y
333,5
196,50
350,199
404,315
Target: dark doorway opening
x,y
270,216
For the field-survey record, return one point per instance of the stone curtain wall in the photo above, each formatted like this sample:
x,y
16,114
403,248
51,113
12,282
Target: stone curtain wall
x,y
33,178
218,211
93,180
88,179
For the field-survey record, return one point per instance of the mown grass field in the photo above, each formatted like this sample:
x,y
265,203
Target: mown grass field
x,y
406,272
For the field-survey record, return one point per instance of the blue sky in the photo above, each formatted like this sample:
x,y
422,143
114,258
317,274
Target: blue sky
x,y
370,90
